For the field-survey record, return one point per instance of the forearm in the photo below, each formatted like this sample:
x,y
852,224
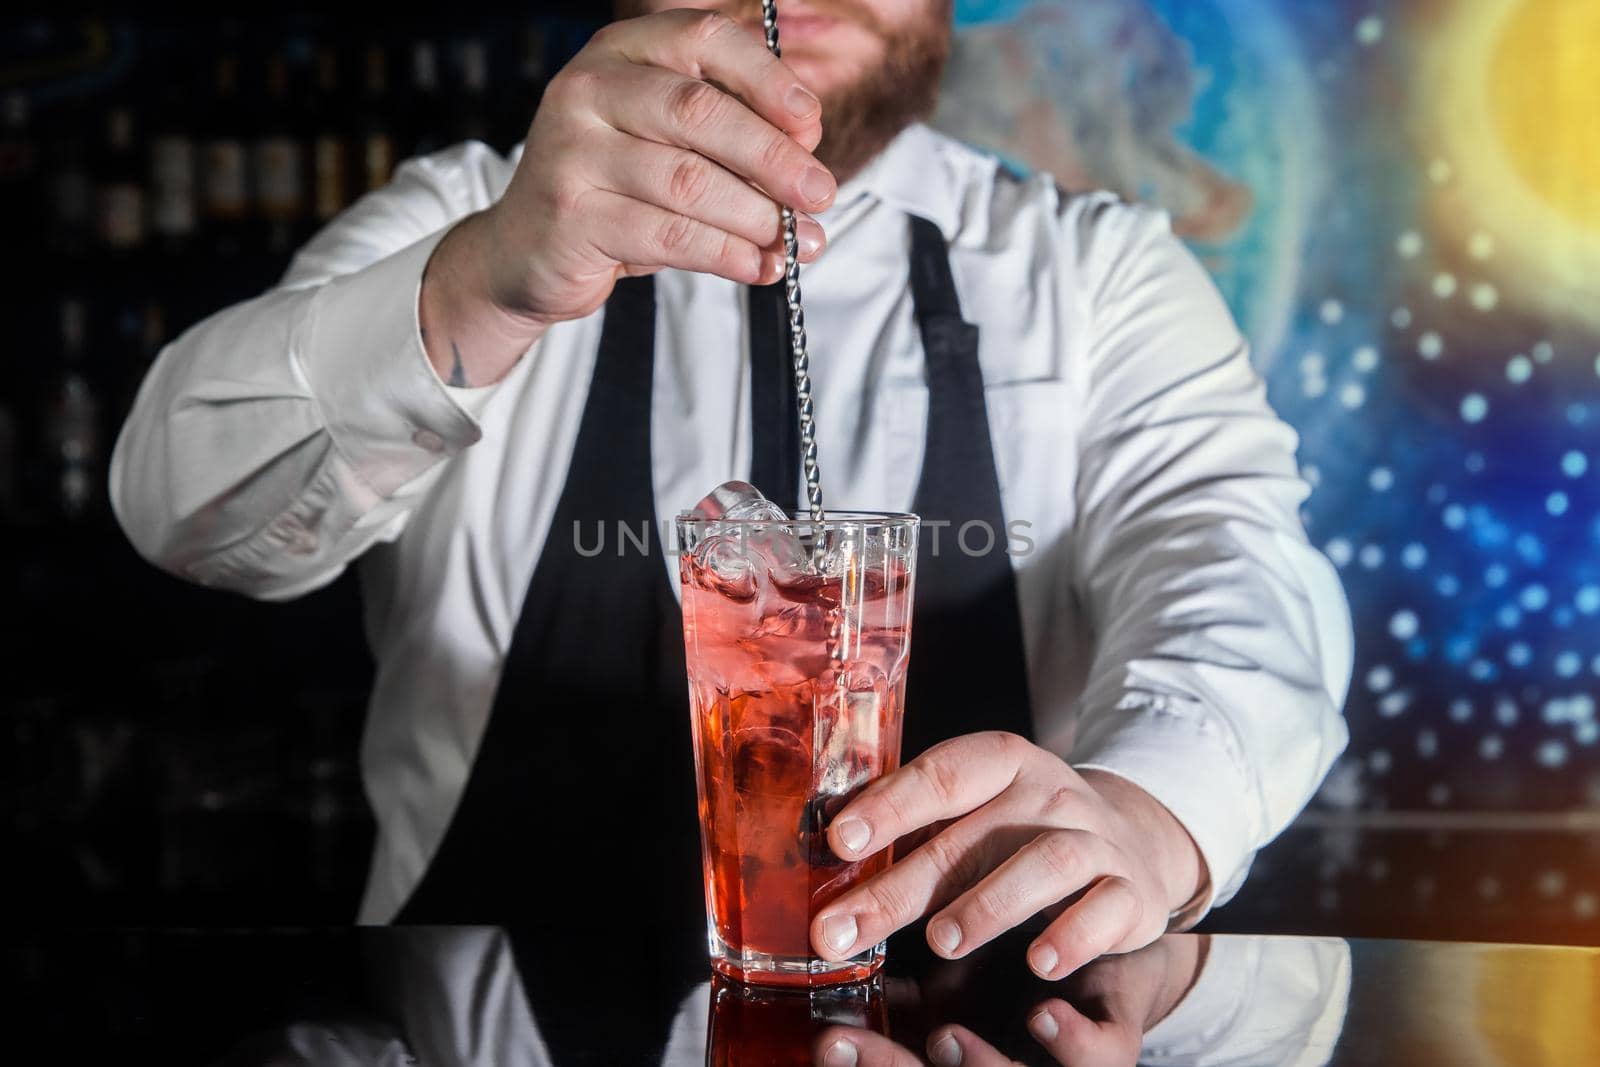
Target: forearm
x,y
278,439
470,338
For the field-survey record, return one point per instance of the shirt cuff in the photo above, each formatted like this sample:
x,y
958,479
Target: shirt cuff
x,y
383,405
1178,758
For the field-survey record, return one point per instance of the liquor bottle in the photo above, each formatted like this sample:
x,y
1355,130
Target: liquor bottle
x,y
278,162
330,155
174,170
469,107
224,182
120,196
424,112
72,427
374,133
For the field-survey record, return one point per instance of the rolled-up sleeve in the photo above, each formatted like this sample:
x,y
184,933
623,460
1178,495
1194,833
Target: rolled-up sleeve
x,y
1223,642
275,441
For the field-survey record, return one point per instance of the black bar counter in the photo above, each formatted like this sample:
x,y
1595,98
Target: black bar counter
x,y
484,996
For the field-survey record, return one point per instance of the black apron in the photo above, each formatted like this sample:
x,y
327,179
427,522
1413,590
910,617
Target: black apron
x,y
578,821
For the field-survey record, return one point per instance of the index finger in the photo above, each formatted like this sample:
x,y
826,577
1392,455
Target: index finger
x,y
950,779
710,46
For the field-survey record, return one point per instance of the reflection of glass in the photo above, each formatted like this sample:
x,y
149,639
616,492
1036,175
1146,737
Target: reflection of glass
x,y
797,636
779,1027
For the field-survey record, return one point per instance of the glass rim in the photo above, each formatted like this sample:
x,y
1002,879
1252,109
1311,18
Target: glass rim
x,y
831,520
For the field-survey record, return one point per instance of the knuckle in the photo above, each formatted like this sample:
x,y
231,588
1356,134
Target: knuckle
x,y
730,253
674,234
694,105
997,904
571,86
889,902
960,866
688,181
774,151
703,26
1059,851
1061,804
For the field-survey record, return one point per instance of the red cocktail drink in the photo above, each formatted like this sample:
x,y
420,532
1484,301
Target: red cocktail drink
x,y
797,640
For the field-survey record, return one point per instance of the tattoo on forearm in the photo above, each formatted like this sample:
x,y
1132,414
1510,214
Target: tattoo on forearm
x,y
458,374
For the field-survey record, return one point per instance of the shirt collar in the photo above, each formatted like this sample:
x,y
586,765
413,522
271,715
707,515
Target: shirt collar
x,y
920,172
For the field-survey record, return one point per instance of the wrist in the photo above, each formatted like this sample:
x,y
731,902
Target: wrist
x,y
470,337
1174,858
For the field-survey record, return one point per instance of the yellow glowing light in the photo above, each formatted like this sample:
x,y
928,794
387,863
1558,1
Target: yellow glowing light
x,y
1511,102
1544,88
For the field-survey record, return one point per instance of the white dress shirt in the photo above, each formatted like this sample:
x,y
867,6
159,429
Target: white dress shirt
x,y
1179,629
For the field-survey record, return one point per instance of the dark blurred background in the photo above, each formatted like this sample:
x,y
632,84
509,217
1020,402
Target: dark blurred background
x,y
178,755
1420,314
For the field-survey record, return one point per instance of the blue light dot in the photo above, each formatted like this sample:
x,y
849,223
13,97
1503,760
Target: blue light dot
x,y
1529,548
1562,617
1474,406
1588,599
1543,351
1505,711
1414,556
1371,557
1556,503
1427,744
1552,753
1474,463
1519,655
1568,664
1339,551
1380,678
1437,494
1519,369
1403,625
1455,516
1586,733
1448,585
1534,597
1394,703
1495,575
1508,617
1381,479
1490,747
1482,670
1417,648
1460,709
1577,413
1574,463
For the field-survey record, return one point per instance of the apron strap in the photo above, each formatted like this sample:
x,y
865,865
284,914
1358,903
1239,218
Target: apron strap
x,y
968,668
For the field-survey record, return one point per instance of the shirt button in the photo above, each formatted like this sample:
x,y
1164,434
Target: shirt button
x,y
427,439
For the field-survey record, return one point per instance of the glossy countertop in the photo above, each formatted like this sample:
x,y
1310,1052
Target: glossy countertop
x,y
479,995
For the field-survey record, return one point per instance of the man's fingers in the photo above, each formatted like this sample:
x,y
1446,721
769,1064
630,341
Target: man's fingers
x,y
1052,866
851,1046
663,105
1102,920
710,46
638,234
1073,1038
689,184
949,780
955,1044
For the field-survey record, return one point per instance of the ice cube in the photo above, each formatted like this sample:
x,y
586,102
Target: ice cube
x,y
771,549
738,500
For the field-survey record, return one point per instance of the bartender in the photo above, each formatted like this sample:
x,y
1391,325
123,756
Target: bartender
x,y
1110,707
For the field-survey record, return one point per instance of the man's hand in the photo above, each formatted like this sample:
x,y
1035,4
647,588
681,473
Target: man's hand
x,y
1099,1020
669,141
1030,834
